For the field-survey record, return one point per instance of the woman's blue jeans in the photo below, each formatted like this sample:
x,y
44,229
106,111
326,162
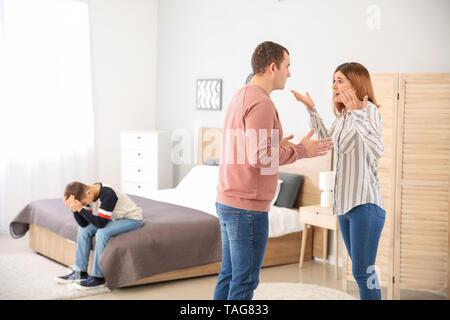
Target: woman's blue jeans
x,y
102,236
361,229
244,239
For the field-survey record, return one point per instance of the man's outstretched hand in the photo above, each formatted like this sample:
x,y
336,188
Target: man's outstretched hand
x,y
316,148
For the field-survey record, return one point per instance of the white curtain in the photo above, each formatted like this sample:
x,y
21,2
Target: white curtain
x,y
46,112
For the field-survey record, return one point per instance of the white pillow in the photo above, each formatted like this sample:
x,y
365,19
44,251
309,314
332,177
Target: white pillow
x,y
276,192
200,178
205,179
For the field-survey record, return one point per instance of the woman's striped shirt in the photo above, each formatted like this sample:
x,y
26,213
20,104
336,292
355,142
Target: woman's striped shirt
x,y
358,144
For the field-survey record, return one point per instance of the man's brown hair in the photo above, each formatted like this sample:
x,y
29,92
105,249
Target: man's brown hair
x,y
266,53
76,189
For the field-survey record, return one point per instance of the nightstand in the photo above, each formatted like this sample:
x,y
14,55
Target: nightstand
x,y
323,218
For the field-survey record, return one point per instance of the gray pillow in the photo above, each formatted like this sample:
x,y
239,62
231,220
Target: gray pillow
x,y
212,162
289,189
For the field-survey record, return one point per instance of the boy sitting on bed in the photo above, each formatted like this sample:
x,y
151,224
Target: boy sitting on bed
x,y
103,212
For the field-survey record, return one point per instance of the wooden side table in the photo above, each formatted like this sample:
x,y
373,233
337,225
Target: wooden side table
x,y
324,218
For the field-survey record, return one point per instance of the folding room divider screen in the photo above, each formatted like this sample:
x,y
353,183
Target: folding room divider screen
x,y
414,175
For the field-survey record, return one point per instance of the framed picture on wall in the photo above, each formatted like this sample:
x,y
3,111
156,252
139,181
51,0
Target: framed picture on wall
x,y
209,94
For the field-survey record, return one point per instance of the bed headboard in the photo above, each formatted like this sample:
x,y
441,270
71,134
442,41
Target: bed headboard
x,y
209,148
208,144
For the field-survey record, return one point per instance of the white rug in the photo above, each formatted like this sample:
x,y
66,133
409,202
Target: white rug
x,y
29,276
297,291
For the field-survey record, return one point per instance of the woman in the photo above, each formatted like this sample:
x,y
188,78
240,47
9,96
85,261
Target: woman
x,y
357,136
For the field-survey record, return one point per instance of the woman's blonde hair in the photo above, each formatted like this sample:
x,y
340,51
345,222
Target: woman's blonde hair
x,y
359,77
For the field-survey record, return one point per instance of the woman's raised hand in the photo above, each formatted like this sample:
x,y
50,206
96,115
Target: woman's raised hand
x,y
351,101
306,100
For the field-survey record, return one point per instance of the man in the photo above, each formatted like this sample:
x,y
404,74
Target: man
x,y
252,150
101,211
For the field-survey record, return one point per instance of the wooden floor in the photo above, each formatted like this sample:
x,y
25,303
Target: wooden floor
x,y
313,272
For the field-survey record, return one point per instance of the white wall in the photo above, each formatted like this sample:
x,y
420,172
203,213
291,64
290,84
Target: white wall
x,y
124,40
215,39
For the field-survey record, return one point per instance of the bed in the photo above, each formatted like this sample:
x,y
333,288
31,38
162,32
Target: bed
x,y
181,233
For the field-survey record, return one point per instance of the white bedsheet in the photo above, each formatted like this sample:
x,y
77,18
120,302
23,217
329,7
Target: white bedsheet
x,y
281,220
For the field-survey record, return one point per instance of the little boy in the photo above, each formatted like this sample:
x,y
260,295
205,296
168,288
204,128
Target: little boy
x,y
103,212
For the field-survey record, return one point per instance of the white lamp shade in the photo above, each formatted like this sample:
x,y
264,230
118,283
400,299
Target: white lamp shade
x,y
326,180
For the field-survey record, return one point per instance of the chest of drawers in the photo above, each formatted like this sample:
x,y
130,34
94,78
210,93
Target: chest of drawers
x,y
146,164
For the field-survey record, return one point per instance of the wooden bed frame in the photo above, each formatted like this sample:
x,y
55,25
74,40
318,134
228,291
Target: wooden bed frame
x,y
280,250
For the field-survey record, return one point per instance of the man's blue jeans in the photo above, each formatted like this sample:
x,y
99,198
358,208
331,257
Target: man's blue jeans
x,y
102,236
361,229
244,239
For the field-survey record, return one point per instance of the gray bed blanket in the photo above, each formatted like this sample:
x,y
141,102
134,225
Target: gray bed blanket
x,y
172,237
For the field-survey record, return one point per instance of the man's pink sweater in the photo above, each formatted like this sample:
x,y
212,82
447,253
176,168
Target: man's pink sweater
x,y
251,151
